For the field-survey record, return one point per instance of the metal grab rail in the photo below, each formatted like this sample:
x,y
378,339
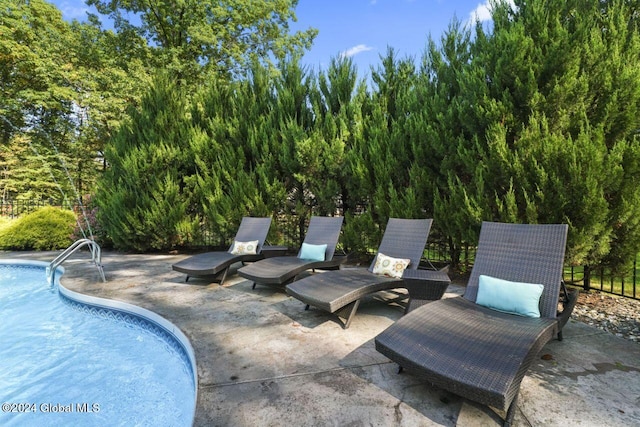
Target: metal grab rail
x,y
96,257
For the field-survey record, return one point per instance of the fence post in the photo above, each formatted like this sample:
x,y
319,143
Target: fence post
x,y
634,277
586,279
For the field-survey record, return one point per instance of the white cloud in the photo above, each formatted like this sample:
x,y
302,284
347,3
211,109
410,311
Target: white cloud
x,y
70,10
482,12
355,50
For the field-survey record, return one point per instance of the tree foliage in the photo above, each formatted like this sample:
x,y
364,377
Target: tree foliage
x,y
141,197
564,77
533,118
35,95
193,38
63,90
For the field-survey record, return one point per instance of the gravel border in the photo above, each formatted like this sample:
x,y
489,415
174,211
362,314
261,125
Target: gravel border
x,y
614,314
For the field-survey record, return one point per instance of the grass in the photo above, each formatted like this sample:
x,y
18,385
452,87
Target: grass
x,y
602,279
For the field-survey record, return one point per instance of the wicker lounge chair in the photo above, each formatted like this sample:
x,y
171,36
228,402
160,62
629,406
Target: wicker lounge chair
x,y
278,271
340,291
214,263
477,352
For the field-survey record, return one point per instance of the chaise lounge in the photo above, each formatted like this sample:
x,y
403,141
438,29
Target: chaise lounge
x,y
475,346
317,252
247,247
340,291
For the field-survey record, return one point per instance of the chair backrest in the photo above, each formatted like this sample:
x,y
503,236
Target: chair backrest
x,y
324,230
252,228
530,253
404,238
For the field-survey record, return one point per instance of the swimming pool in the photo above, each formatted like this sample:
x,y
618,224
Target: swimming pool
x,y
71,359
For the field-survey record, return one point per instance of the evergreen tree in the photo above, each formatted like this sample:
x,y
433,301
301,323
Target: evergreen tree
x,y
532,120
141,195
543,134
385,146
338,107
446,130
293,124
225,182
567,76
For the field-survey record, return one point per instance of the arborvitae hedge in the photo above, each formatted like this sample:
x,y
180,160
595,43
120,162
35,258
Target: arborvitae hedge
x,y
533,120
142,197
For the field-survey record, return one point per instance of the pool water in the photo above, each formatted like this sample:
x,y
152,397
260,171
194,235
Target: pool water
x,y
69,363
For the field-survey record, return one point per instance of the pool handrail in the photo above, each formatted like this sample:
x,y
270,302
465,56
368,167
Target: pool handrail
x,y
96,257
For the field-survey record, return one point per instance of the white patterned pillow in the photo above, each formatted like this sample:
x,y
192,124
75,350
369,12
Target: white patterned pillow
x,y
244,248
388,266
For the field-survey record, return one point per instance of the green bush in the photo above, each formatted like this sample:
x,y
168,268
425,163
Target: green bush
x,y
4,223
47,228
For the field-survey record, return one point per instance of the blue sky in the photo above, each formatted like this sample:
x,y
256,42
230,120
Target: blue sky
x,y
362,29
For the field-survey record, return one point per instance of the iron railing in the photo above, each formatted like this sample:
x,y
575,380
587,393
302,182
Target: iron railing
x,y
604,280
14,208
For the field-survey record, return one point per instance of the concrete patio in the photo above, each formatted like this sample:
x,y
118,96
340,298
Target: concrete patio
x,y
265,361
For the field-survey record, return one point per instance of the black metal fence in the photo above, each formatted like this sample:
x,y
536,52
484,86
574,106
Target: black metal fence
x,y
624,284
14,208
287,231
603,279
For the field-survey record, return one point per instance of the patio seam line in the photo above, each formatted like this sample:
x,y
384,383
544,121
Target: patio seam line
x,y
279,377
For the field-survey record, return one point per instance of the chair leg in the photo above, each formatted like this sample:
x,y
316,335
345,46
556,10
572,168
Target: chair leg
x,y
306,307
569,300
349,311
224,276
186,280
511,412
400,369
253,286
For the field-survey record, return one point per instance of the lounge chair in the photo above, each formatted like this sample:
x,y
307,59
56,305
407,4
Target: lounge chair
x,y
213,263
481,353
278,271
340,291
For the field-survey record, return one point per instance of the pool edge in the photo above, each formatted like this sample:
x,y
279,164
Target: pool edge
x,y
128,308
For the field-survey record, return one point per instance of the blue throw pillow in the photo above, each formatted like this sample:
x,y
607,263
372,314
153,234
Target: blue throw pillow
x,y
312,252
509,297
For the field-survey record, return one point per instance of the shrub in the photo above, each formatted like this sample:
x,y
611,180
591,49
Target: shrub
x,y
4,223
47,228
